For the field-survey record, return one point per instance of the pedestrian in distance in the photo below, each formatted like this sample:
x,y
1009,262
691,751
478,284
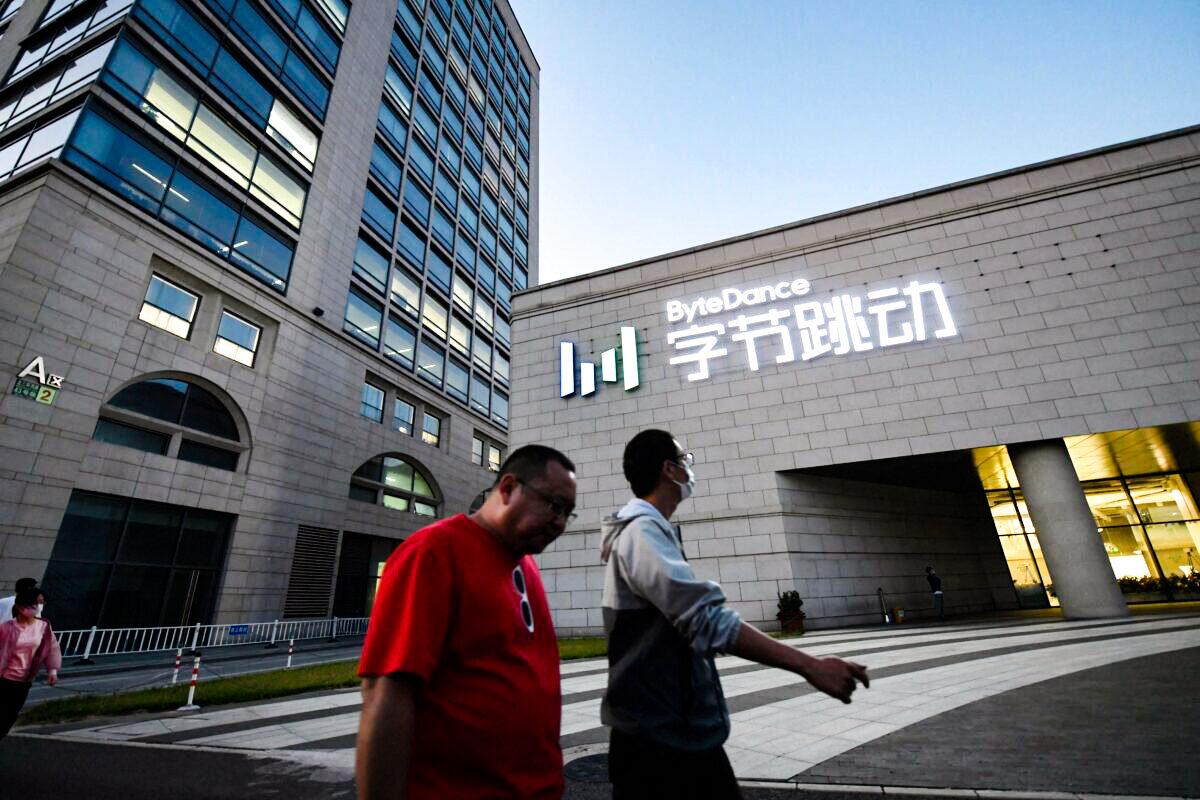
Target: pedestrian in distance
x,y
7,603
461,690
27,643
664,701
935,586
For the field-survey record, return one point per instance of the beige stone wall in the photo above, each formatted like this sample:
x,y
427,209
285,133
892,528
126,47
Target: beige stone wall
x,y
1075,286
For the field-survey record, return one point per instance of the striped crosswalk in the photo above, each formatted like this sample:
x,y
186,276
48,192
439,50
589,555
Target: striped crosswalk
x,y
780,726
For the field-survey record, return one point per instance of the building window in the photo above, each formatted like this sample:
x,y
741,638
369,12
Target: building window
x,y
363,318
113,432
402,417
431,429
399,342
480,396
457,380
370,265
460,335
397,483
371,404
500,408
430,362
237,339
148,415
486,453
433,316
169,306
136,172
406,290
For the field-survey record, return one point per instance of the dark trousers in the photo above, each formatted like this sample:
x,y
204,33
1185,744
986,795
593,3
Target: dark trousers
x,y
640,770
12,697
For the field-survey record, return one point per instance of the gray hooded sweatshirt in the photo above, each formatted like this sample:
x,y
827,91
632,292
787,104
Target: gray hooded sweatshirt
x,y
664,625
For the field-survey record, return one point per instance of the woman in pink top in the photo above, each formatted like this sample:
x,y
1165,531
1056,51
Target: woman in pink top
x,y
27,643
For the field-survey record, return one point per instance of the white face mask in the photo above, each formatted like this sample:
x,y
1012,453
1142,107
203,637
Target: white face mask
x,y
40,606
686,489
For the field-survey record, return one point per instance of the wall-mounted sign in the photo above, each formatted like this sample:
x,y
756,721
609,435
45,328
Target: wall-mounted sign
x,y
46,387
844,323
626,353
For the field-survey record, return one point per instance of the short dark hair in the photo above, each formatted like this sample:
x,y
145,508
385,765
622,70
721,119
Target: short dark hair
x,y
644,457
27,597
530,462
26,583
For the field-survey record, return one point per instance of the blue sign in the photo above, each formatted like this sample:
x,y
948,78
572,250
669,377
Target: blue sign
x,y
239,630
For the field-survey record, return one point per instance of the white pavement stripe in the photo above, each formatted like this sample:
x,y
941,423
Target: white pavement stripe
x,y
262,711
585,714
290,734
779,740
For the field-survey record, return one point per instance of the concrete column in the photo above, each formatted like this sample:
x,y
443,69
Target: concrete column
x,y
1079,567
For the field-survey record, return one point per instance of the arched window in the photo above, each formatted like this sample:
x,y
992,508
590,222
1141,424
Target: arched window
x,y
396,482
170,416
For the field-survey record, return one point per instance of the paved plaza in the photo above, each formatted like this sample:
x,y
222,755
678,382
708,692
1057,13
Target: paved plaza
x,y
1031,706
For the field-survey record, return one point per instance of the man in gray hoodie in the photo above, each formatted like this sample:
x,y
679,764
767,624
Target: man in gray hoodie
x,y
664,701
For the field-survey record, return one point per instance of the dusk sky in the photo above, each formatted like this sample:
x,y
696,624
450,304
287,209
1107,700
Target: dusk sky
x,y
668,124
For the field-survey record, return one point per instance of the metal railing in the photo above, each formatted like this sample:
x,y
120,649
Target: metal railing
x,y
89,643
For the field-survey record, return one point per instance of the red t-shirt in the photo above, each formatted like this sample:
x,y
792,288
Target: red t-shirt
x,y
487,718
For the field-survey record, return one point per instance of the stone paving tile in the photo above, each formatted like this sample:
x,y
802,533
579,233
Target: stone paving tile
x,y
1126,728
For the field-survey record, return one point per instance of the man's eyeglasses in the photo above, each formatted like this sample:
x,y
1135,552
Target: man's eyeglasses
x,y
685,460
518,577
557,507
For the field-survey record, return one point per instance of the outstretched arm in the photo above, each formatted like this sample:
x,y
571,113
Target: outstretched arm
x,y
385,737
833,676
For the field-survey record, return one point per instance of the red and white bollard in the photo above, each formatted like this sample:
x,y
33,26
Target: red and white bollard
x,y
291,646
191,706
175,676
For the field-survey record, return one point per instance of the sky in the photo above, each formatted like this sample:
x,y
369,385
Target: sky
x,y
669,124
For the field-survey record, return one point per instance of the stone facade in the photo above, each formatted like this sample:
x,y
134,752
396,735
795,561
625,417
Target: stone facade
x,y
75,263
1075,287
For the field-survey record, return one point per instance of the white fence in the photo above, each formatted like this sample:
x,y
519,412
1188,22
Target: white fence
x,y
87,644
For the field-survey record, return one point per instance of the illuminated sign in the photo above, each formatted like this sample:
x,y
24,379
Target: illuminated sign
x,y
46,388
844,323
626,352
779,315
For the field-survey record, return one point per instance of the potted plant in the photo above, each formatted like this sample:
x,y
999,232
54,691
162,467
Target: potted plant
x,y
791,612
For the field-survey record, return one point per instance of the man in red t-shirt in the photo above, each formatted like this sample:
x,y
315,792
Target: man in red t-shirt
x,y
461,692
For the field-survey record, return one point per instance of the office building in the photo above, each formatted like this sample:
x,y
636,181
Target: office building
x,y
257,260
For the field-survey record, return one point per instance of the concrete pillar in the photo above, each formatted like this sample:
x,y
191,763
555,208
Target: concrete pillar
x,y
1079,567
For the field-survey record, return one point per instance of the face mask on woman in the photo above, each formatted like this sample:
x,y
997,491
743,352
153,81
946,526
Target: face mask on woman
x,y
40,606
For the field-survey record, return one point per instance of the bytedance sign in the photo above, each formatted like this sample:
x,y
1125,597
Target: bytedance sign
x,y
800,329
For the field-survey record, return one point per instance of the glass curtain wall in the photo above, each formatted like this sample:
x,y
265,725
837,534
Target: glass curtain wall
x,y
1150,527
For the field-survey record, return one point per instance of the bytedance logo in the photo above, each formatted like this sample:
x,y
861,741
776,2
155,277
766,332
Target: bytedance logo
x,y
626,353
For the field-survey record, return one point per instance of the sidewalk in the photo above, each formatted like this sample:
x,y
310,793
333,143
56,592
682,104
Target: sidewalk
x,y
1085,707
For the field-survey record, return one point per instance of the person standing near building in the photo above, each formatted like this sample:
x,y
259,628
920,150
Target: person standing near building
x,y
935,586
27,644
664,701
461,690
6,603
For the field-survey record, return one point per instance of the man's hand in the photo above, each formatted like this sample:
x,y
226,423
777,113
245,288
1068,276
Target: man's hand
x,y
52,678
835,677
385,737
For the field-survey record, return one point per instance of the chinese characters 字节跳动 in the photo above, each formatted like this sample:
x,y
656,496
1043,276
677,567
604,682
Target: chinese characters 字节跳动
x,y
845,323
